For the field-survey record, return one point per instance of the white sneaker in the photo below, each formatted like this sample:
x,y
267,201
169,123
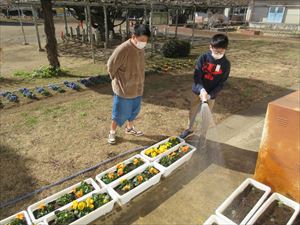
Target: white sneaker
x,y
133,131
112,138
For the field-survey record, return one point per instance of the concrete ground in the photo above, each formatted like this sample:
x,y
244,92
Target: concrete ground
x,y
194,191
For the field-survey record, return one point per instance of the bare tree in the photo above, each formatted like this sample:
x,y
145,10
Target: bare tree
x,y
113,13
51,44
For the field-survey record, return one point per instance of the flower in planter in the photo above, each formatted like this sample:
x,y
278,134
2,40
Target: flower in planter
x,y
174,156
122,169
127,185
137,161
185,148
80,209
90,203
111,175
83,189
152,170
120,172
155,151
79,194
64,217
65,199
19,220
43,210
120,166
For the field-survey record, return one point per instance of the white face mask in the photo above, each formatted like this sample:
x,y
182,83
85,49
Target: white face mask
x,y
141,44
217,56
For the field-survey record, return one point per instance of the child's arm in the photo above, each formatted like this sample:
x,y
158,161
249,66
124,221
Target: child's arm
x,y
198,74
115,61
213,94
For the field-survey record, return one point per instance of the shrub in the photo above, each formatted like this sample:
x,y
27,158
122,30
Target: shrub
x,y
42,72
176,48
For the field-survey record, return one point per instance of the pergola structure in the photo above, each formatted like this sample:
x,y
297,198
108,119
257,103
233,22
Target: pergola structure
x,y
149,5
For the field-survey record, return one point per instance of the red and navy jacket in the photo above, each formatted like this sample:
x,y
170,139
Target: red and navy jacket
x,y
210,74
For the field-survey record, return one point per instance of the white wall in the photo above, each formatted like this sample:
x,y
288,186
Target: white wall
x,y
292,16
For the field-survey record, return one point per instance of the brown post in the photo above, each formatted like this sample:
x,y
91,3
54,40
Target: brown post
x,y
176,23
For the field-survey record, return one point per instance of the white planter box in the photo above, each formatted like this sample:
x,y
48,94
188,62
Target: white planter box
x,y
123,199
99,176
55,196
168,170
9,219
215,219
156,145
108,207
241,188
285,200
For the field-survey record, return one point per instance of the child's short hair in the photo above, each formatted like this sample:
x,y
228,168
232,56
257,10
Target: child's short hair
x,y
219,41
141,29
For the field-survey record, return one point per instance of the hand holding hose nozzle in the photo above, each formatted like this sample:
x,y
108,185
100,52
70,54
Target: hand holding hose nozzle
x,y
204,96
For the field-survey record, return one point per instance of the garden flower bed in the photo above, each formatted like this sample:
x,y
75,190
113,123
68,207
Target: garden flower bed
x,y
27,93
72,85
133,184
9,96
42,91
20,218
167,162
243,202
277,210
116,172
48,205
56,88
152,153
88,209
215,220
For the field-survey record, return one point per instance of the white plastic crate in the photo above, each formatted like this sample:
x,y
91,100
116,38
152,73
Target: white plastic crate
x,y
156,145
108,207
168,170
123,199
284,200
226,203
9,219
55,196
215,219
99,176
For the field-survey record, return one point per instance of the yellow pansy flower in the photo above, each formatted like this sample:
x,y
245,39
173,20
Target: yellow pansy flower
x,y
20,216
81,206
79,193
135,161
42,206
152,170
74,205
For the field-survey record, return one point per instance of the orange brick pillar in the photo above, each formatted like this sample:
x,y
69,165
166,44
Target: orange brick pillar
x,y
278,162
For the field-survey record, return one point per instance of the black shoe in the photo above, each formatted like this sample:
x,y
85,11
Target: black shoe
x,y
186,133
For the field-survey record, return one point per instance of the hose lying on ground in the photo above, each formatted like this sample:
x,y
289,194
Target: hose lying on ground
x,y
27,195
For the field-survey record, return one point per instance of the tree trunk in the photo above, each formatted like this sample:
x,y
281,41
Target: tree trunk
x,y
51,45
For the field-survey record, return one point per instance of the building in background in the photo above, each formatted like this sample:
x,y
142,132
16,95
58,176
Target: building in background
x,y
274,14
